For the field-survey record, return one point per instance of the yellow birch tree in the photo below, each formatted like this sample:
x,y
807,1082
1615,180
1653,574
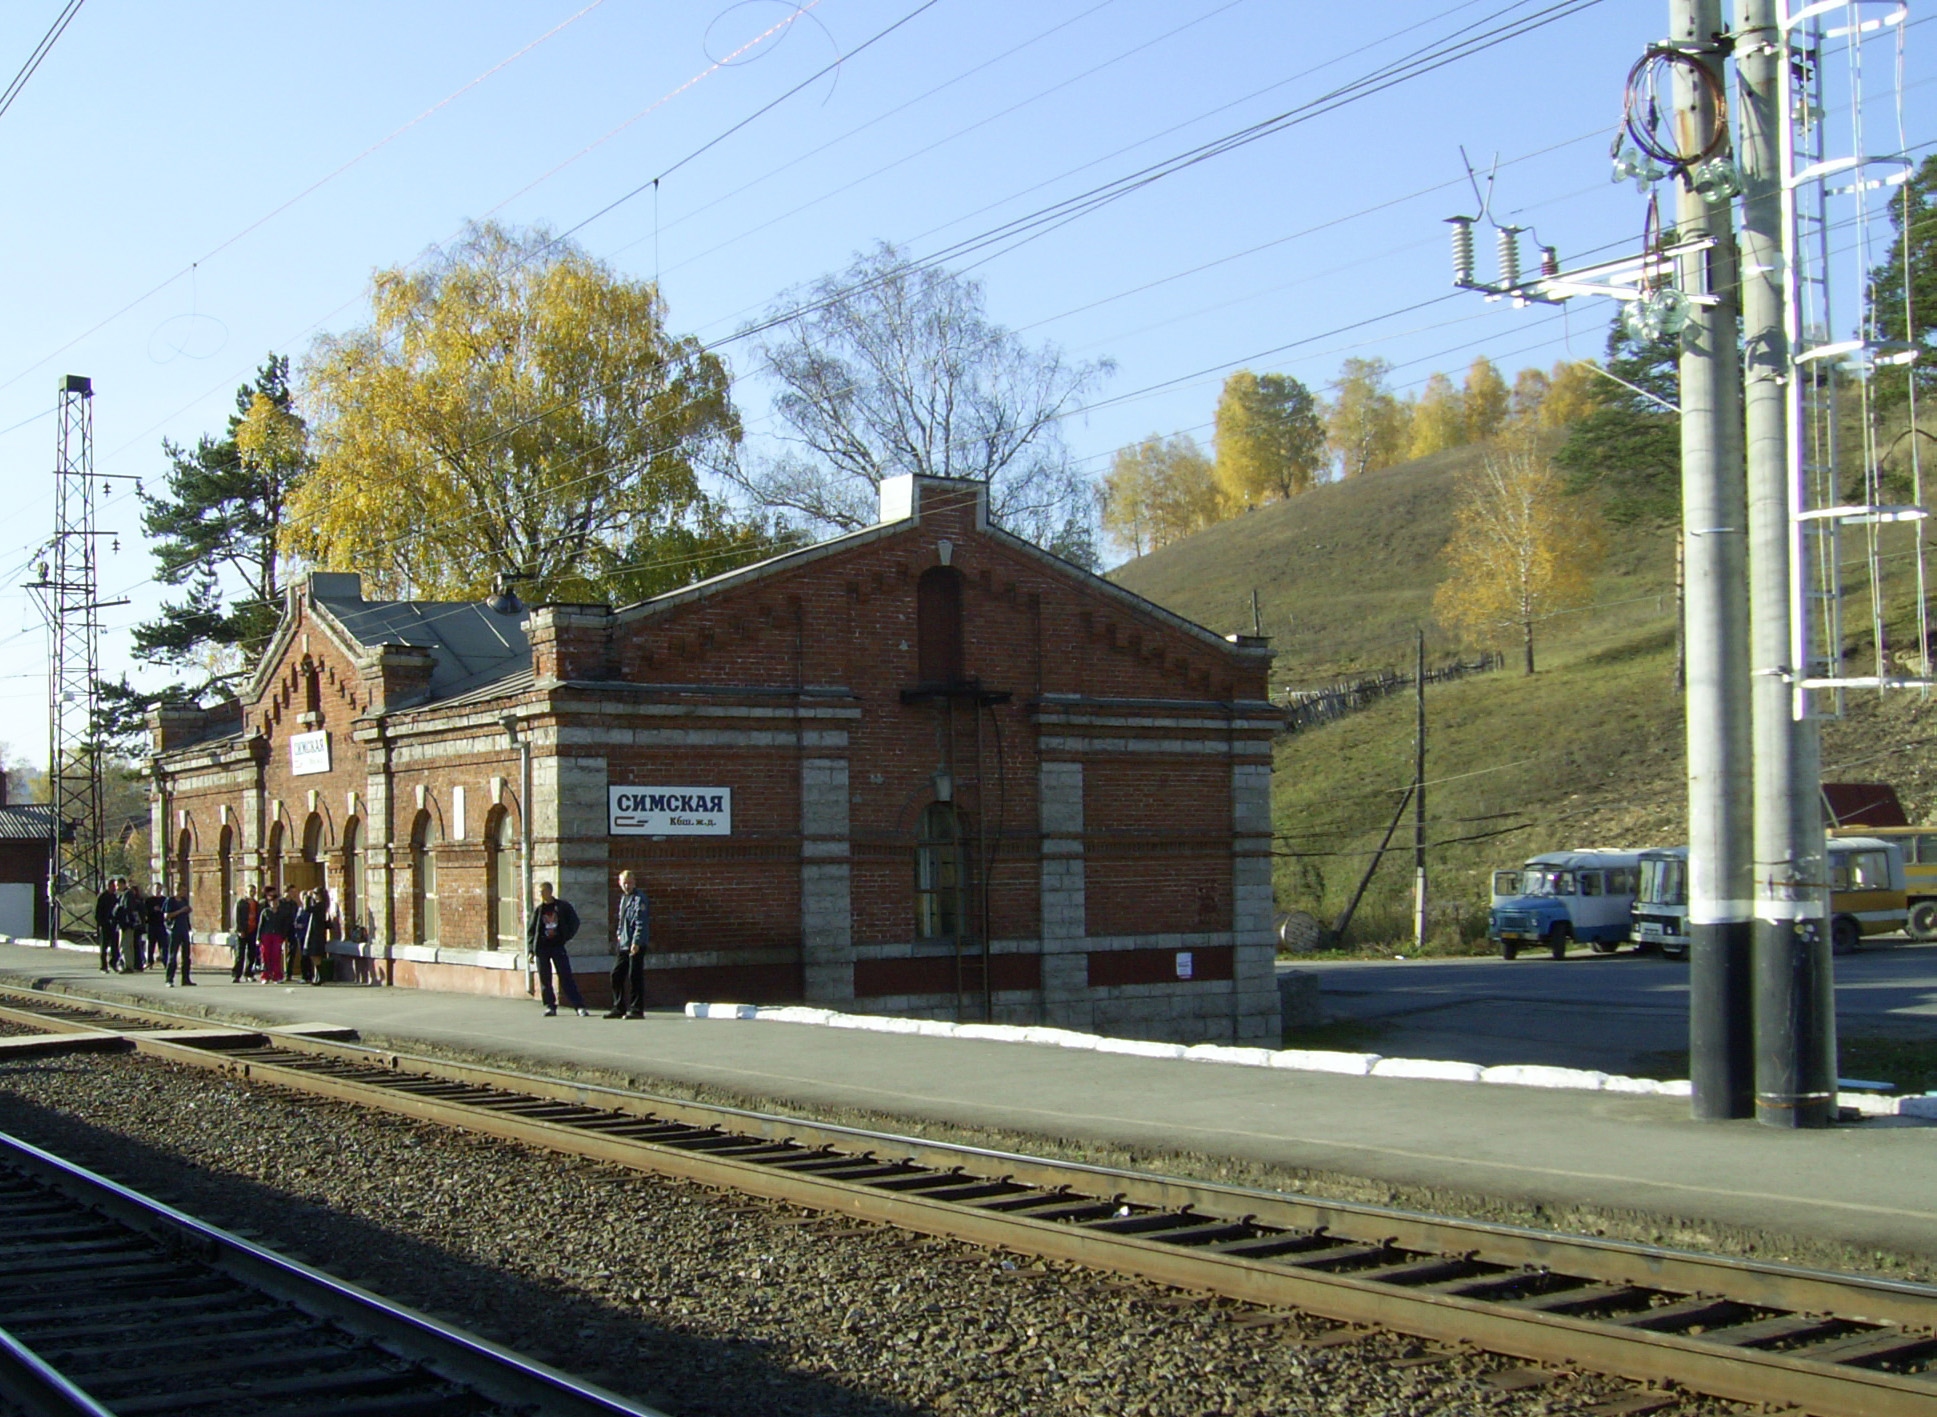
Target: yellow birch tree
x,y
1158,491
1367,426
1574,390
1520,549
1485,401
1270,440
1439,418
513,408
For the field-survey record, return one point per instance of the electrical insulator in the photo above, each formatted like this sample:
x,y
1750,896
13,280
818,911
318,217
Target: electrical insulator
x,y
1509,243
1462,249
1549,261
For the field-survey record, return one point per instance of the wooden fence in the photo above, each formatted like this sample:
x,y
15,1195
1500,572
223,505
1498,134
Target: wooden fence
x,y
1307,708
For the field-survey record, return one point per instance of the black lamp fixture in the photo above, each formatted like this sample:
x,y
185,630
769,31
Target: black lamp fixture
x,y
504,600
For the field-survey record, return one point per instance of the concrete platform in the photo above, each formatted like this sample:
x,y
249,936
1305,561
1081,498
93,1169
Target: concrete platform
x,y
1854,1188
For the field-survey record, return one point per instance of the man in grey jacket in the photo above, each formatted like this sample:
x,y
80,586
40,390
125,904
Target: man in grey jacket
x,y
629,964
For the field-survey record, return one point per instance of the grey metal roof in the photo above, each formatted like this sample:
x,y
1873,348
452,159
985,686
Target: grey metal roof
x,y
473,644
26,821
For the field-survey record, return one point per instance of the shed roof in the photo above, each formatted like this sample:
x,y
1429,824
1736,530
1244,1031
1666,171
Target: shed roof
x,y
27,821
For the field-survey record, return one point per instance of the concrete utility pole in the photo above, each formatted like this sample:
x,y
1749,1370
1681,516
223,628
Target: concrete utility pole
x,y
1795,1020
1714,527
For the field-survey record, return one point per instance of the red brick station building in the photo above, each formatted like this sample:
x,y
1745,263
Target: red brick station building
x,y
924,768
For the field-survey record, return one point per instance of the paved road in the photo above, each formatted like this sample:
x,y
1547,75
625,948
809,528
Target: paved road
x,y
1614,1012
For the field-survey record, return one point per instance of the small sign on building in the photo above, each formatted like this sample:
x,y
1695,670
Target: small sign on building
x,y
671,811
309,753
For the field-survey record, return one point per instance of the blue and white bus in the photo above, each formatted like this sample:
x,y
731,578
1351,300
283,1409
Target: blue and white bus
x,y
1563,896
1661,902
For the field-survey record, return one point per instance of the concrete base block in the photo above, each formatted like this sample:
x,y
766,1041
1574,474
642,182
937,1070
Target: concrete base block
x,y
1298,1003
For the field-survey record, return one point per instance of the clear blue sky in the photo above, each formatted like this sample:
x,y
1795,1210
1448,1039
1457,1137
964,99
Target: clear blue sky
x,y
190,187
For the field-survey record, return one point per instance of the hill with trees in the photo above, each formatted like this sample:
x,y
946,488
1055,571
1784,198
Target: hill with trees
x,y
1589,751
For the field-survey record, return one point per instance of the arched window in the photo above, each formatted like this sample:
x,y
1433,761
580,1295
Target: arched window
x,y
938,625
938,873
505,930
184,883
225,872
313,853
423,879
350,897
272,860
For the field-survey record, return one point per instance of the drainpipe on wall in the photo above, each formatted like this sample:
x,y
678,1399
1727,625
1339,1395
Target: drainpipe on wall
x,y
522,741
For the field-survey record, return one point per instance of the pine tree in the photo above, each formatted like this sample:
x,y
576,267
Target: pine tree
x,y
1629,448
213,532
1909,269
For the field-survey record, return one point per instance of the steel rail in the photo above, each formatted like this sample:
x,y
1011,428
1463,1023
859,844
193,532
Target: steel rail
x,y
1748,1332
69,1258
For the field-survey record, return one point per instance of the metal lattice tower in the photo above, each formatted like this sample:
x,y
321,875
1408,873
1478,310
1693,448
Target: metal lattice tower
x,y
68,592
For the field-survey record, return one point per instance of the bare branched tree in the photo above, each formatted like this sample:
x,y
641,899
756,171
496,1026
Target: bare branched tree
x,y
889,368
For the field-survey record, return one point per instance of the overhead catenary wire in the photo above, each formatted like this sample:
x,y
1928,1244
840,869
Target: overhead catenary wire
x,y
319,183
38,55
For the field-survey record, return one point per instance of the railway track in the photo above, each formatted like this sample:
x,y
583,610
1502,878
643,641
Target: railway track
x,y
113,1304
1829,1344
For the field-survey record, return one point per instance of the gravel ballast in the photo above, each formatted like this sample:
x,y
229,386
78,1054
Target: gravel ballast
x,y
701,1302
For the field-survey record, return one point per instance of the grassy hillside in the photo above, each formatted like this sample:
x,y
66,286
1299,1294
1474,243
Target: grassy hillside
x,y
1587,752
1346,572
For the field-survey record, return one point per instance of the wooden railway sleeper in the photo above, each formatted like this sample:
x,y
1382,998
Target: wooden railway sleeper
x,y
371,1381
1207,1232
167,1340
1869,1349
203,1294
1150,1223
921,1181
1024,1201
1580,1298
1779,1330
1701,1310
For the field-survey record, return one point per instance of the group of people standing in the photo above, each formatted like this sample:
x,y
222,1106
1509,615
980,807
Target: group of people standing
x,y
136,929
279,934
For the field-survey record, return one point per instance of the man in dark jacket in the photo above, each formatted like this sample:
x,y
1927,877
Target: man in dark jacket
x,y
131,919
553,923
246,921
177,938
315,934
629,963
110,933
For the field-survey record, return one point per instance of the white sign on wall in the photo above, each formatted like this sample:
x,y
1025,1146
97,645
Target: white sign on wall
x,y
309,753
671,811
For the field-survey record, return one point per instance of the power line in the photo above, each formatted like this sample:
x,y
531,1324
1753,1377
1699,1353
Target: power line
x,y
758,113
320,182
40,51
